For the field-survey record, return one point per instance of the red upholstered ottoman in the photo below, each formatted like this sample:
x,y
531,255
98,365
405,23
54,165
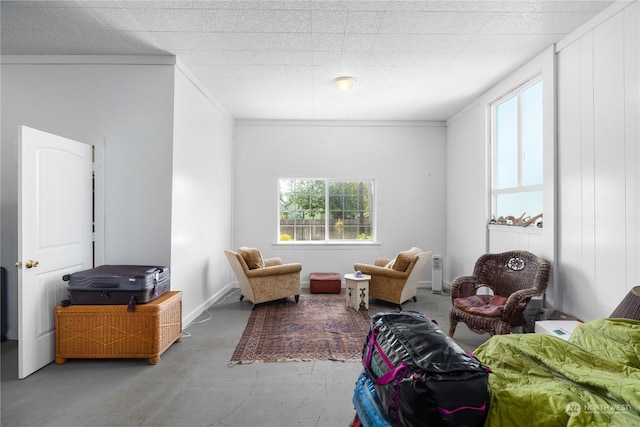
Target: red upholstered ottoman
x,y
325,283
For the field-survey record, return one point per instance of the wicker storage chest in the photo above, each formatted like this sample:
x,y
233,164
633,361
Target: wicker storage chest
x,y
110,331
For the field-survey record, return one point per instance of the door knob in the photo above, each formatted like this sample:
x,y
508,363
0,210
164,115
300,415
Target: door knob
x,y
31,263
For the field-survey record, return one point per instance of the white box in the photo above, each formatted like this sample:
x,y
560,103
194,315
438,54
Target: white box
x,y
558,328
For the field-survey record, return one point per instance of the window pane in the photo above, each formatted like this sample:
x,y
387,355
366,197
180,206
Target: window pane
x,y
515,204
349,210
506,141
302,209
303,216
532,135
518,160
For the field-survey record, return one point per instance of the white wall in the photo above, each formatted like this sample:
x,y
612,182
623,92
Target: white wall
x,y
598,158
128,104
469,177
407,160
592,185
467,200
202,194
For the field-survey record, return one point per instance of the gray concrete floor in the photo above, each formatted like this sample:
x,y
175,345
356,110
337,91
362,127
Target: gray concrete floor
x,y
193,385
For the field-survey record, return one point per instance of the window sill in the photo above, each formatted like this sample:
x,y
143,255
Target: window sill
x,y
515,229
282,245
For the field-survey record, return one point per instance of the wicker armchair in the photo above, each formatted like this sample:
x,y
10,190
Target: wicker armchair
x,y
263,280
515,275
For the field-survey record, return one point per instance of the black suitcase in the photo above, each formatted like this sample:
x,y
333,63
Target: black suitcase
x,y
118,284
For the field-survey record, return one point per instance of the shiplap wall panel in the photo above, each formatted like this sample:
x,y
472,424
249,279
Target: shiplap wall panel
x,y
598,153
582,297
632,138
610,174
570,189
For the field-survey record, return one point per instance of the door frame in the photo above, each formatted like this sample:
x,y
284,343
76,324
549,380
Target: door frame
x,y
98,201
98,194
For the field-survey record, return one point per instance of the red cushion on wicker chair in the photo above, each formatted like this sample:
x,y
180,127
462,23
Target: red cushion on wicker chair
x,y
486,305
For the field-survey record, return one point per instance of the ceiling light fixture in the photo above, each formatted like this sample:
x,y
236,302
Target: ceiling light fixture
x,y
344,83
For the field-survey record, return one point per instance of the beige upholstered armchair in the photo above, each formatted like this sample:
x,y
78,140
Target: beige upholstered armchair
x,y
513,277
263,280
396,280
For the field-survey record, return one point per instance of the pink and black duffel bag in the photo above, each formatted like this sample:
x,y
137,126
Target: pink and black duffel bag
x,y
422,376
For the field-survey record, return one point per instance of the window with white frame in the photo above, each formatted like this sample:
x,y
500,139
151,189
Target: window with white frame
x,y
516,137
325,210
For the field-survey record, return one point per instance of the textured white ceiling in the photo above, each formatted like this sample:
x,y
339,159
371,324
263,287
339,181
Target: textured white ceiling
x,y
412,60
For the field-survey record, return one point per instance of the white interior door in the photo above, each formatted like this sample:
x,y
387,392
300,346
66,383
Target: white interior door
x,y
54,236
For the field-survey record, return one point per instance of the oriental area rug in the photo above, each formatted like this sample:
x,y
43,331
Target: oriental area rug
x,y
318,327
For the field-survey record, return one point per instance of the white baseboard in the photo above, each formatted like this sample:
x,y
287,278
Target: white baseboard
x,y
191,316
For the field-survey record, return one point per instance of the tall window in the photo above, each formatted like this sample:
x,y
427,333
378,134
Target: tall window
x,y
325,210
517,153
